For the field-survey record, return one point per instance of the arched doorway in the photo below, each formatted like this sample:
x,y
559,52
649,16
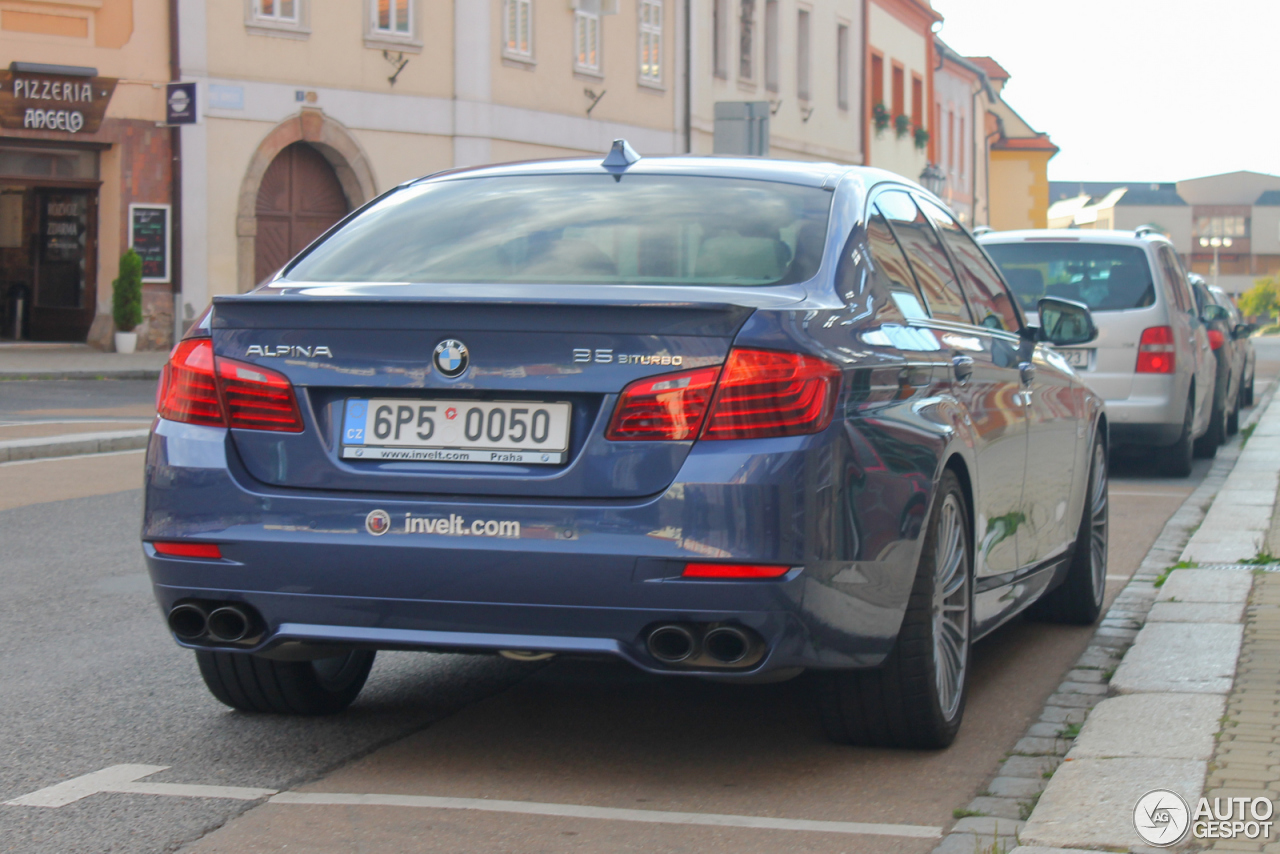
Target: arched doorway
x,y
299,198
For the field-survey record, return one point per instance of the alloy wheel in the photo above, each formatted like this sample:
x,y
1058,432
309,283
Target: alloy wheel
x,y
1098,520
951,605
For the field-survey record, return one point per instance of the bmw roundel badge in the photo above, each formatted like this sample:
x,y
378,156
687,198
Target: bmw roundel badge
x,y
378,522
451,357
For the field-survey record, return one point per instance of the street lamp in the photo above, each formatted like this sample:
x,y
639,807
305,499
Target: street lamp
x,y
933,179
1217,243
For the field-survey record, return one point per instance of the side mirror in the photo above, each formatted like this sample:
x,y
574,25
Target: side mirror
x,y
1065,322
1244,330
1213,313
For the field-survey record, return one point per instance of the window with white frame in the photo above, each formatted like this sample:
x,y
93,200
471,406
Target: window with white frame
x,y
842,66
392,18
771,45
651,41
746,40
279,18
802,54
586,41
517,33
276,11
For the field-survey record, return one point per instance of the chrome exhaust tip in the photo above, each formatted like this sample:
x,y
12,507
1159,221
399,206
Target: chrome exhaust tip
x,y
671,644
188,622
727,644
229,624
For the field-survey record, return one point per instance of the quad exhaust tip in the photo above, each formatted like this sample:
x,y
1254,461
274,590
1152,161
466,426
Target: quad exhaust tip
x,y
188,622
671,644
727,644
229,624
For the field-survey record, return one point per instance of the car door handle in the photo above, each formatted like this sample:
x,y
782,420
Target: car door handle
x,y
963,367
1028,372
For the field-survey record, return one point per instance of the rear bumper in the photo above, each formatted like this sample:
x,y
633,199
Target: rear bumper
x,y
1151,414
589,577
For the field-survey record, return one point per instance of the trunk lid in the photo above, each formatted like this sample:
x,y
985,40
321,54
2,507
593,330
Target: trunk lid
x,y
340,343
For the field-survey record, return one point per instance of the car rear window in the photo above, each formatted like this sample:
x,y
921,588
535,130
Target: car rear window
x,y
1105,277
581,229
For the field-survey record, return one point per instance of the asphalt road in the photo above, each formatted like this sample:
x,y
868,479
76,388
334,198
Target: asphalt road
x,y
39,399
89,678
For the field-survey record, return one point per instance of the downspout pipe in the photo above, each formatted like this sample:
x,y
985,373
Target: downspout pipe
x,y
175,182
688,76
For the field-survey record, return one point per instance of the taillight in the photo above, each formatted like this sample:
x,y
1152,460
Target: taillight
x,y
258,398
205,550
189,391
734,570
670,406
1215,338
197,388
765,393
1156,351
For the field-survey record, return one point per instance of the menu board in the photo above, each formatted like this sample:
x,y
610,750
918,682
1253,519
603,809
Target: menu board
x,y
149,237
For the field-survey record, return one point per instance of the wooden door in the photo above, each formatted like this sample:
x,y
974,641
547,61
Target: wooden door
x,y
298,200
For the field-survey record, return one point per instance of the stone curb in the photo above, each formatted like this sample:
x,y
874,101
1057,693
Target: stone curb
x,y
48,447
1049,741
104,374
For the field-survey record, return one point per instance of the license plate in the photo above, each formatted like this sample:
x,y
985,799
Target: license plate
x,y
456,431
1076,358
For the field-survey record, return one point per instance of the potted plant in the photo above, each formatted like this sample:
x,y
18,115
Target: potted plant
x,y
126,301
921,138
880,115
901,125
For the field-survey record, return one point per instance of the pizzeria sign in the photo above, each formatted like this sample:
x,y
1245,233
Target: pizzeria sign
x,y
66,103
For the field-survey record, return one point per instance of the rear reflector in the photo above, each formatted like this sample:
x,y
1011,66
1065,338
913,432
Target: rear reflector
x,y
734,570
1215,339
199,388
205,550
1156,351
766,393
669,406
258,398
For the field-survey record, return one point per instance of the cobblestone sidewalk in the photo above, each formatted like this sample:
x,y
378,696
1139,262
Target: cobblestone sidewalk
x,y
1246,762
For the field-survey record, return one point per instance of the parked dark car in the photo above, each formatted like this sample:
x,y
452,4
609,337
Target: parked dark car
x,y
1243,356
715,417
1227,377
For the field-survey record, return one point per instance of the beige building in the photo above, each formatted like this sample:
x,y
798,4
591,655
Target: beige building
x,y
310,109
801,59
83,154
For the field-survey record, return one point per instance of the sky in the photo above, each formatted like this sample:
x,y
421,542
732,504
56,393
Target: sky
x,y
1134,90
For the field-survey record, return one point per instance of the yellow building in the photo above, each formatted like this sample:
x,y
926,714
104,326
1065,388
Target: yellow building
x,y
1018,161
83,149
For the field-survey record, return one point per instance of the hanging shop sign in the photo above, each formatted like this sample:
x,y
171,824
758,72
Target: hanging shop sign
x,y
53,102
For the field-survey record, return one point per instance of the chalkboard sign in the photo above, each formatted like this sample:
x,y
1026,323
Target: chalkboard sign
x,y
149,237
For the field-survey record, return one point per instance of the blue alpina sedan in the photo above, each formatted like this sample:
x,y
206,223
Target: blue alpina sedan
x,y
715,417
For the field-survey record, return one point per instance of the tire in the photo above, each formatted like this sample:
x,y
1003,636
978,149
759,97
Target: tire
x,y
250,683
910,701
1248,392
1176,459
1078,599
1233,417
1206,447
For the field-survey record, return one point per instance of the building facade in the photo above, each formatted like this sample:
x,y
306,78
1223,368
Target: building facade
x,y
1238,210
310,109
962,97
800,61
900,81
84,155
